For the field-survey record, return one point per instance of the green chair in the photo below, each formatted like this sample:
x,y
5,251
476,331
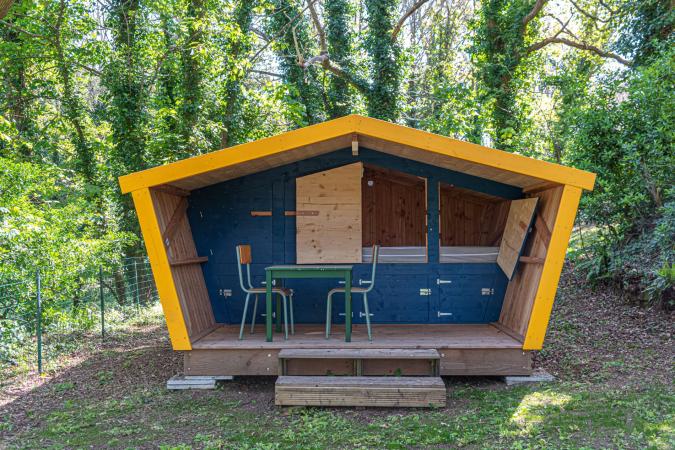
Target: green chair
x,y
355,290
244,257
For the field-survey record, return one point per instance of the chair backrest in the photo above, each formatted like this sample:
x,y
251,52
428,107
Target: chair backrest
x,y
376,254
244,257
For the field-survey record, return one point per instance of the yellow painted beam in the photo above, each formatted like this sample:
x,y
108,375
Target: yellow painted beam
x,y
555,257
238,154
161,270
474,153
349,125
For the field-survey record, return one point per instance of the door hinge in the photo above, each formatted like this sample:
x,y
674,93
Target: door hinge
x,y
342,314
441,314
362,314
439,281
425,291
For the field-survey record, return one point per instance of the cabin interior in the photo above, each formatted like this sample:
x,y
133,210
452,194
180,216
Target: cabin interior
x,y
460,254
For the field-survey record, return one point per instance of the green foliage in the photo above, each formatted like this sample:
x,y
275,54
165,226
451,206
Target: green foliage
x,y
385,70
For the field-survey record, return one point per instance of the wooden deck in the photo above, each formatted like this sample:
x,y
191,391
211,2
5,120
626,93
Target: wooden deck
x,y
464,350
483,336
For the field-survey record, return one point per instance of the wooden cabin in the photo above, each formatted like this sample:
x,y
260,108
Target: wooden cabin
x,y
472,242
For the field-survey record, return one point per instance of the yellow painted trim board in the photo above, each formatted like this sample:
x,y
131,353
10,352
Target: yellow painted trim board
x,y
349,125
550,275
238,154
161,270
475,153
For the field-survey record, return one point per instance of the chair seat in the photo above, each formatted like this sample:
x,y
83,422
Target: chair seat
x,y
354,290
275,290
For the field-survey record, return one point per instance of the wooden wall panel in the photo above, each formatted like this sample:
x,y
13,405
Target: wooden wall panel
x,y
188,278
522,289
328,221
471,219
394,208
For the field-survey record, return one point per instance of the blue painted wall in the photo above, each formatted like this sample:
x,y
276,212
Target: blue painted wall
x,y
220,219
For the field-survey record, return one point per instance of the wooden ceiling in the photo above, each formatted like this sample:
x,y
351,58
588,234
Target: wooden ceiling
x,y
204,170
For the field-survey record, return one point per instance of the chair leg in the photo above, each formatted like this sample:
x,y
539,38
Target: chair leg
x,y
285,317
292,319
365,306
255,311
243,318
329,314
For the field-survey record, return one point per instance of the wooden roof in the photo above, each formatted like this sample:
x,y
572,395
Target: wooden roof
x,y
314,140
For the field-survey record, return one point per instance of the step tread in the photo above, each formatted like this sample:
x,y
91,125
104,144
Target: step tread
x,y
368,382
358,353
418,392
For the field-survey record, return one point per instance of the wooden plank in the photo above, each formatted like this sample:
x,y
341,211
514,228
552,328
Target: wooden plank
x,y
358,353
550,275
515,233
334,235
531,260
360,391
521,291
231,362
172,190
176,217
398,367
484,362
308,367
261,213
149,220
187,261
385,336
543,229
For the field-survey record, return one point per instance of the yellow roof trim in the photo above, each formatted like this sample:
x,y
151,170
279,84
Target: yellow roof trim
x,y
361,125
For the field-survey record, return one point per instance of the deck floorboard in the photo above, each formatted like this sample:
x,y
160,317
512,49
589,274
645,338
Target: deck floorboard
x,y
480,336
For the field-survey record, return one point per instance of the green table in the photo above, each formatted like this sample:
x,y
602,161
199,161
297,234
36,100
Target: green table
x,y
308,271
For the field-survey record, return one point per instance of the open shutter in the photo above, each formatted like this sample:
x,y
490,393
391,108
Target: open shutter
x,y
521,214
328,216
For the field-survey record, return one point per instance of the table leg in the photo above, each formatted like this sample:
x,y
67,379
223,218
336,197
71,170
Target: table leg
x,y
348,307
268,306
278,314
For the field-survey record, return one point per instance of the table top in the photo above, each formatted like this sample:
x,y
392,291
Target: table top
x,y
300,267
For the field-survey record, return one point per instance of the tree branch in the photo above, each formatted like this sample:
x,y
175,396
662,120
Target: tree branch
x,y
397,29
539,4
578,45
319,29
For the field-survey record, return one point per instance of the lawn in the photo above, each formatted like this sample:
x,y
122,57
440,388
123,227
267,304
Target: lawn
x,y
613,361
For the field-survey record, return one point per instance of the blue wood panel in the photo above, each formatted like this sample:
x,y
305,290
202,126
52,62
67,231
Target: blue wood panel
x,y
220,219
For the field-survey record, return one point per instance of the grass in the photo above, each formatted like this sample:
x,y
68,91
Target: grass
x,y
615,391
557,416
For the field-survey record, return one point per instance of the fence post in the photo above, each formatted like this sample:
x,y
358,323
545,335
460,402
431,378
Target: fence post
x,y
38,319
100,291
138,294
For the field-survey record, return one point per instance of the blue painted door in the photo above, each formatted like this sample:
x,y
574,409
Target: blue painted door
x,y
397,298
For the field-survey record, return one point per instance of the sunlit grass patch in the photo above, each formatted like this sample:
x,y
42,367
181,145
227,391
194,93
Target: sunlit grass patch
x,y
534,408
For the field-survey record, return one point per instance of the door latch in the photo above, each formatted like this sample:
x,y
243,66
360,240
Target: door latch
x,y
425,291
487,291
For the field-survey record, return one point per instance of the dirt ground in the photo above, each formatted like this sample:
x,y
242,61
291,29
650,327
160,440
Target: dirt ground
x,y
594,338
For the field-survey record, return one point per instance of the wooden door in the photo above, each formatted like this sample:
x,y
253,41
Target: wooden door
x,y
328,216
516,230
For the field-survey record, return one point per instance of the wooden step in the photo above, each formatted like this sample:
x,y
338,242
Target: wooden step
x,y
360,391
359,361
358,353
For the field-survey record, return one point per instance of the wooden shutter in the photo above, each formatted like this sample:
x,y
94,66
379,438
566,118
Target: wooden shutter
x,y
328,216
517,226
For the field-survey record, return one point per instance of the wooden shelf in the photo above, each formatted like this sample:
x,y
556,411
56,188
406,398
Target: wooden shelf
x,y
185,262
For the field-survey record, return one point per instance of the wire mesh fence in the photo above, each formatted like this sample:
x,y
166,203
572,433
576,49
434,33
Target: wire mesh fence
x,y
37,312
